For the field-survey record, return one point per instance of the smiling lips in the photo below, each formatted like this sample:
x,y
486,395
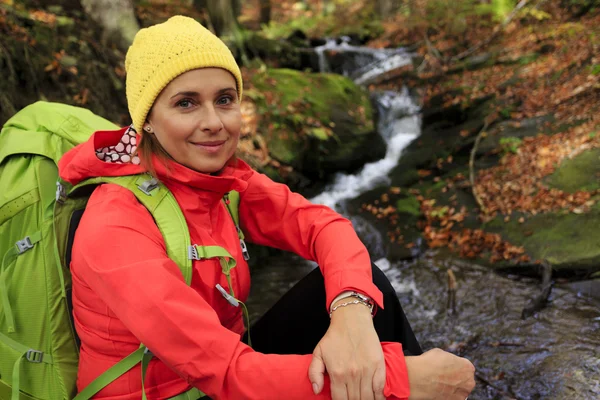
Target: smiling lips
x,y
210,146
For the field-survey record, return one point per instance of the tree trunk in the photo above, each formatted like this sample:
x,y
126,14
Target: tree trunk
x,y
237,8
386,7
222,20
265,11
222,17
117,19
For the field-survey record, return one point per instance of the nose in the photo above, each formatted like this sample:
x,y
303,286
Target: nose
x,y
210,121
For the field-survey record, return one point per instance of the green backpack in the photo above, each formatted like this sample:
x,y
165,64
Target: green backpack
x,y
39,348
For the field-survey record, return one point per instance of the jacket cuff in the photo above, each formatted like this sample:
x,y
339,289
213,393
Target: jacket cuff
x,y
342,281
396,383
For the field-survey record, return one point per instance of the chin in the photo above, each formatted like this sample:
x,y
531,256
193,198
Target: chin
x,y
208,169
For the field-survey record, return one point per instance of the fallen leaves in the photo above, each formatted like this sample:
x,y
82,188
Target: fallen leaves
x,y
468,243
62,62
517,183
43,16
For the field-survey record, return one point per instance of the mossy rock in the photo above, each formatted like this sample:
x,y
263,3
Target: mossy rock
x,y
579,173
317,123
524,128
275,52
567,241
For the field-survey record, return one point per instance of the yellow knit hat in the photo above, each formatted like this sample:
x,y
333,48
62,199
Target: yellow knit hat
x,y
162,52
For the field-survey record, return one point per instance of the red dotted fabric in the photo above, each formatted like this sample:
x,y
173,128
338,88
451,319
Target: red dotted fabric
x,y
122,153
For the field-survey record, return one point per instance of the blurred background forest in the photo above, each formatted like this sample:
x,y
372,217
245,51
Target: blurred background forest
x,y
509,92
454,135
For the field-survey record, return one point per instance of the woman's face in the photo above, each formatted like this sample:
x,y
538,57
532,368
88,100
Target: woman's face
x,y
197,119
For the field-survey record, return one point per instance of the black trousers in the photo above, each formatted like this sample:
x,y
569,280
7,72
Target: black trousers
x,y
298,321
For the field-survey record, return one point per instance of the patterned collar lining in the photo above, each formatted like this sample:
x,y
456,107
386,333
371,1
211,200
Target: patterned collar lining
x,y
122,153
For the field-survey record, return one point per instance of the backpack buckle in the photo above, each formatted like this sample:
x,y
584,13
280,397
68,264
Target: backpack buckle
x,y
193,253
148,186
245,252
34,356
61,193
24,245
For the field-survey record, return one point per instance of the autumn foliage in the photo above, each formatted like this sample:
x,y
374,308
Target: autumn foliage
x,y
543,62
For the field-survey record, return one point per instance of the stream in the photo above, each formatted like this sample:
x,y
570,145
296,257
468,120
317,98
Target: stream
x,y
554,354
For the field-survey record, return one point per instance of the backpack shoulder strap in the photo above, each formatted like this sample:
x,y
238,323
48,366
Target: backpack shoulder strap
x,y
234,206
167,214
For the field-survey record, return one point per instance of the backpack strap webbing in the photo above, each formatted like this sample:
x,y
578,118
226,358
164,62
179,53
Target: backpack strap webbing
x,y
29,354
167,214
110,375
232,202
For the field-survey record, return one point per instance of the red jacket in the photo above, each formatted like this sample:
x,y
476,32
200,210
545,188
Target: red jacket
x,y
126,290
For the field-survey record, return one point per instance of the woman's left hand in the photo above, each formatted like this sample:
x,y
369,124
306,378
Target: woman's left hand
x,y
351,354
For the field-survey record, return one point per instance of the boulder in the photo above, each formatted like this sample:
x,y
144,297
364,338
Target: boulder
x,y
319,124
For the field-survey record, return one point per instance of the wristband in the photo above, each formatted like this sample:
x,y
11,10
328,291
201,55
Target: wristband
x,y
358,299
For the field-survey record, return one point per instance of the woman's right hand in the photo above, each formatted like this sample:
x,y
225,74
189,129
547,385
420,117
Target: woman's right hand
x,y
437,374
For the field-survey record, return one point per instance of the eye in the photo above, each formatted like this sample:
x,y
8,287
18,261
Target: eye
x,y
184,103
225,100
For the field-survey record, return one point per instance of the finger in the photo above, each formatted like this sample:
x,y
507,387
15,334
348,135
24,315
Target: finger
x,y
379,383
366,387
316,371
338,389
353,385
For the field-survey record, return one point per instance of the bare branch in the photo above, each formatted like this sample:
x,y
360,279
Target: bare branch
x,y
480,135
494,34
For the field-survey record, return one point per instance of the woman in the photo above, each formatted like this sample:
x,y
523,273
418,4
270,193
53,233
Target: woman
x,y
183,91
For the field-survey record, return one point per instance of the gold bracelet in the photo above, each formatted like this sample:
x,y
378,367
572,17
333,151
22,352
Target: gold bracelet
x,y
347,303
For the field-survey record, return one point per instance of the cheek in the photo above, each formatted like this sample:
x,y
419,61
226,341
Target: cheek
x,y
233,123
172,133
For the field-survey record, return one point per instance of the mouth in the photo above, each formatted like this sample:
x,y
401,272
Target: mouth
x,y
211,146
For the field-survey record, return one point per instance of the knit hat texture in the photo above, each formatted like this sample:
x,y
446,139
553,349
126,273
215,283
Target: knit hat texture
x,y
162,52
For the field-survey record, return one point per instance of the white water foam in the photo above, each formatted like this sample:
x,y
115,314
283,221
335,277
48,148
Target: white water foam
x,y
389,64
398,133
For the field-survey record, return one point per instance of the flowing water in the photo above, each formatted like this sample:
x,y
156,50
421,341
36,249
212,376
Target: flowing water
x,y
555,354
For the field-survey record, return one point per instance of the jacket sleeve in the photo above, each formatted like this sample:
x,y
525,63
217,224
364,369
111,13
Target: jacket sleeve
x,y
272,215
120,254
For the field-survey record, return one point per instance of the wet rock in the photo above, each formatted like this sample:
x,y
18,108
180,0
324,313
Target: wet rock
x,y
585,288
405,233
276,53
446,131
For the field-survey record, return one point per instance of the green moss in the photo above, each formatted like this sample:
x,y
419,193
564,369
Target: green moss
x,y
579,173
528,58
510,144
409,205
317,123
284,149
430,187
322,92
566,240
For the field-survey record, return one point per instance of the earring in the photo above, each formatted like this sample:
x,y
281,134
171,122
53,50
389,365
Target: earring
x,y
148,129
